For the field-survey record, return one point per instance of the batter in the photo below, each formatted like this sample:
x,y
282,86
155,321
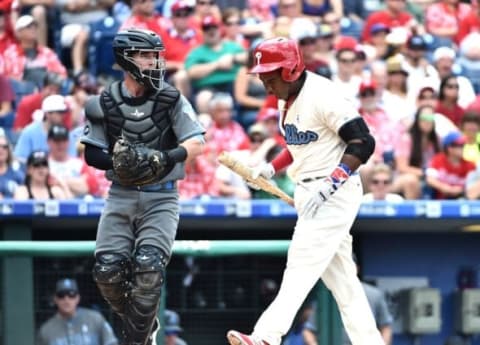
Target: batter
x,y
327,141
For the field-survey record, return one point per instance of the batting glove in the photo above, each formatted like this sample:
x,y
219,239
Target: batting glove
x,y
264,169
324,190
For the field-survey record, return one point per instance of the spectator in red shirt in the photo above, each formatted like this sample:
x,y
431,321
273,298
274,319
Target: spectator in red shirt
x,y
31,103
199,179
180,37
6,33
471,23
269,117
232,185
393,16
448,100
225,133
144,16
448,170
270,102
259,11
443,18
27,60
7,97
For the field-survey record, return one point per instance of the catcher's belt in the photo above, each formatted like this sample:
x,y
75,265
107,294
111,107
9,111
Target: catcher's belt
x,y
169,185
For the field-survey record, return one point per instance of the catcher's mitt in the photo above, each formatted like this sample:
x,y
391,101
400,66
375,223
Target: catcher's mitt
x,y
136,164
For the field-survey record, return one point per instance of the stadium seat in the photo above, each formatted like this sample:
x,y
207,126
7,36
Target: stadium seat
x,y
21,89
434,42
55,26
351,28
100,54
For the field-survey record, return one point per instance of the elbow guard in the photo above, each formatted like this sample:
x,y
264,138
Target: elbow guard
x,y
363,143
98,158
177,155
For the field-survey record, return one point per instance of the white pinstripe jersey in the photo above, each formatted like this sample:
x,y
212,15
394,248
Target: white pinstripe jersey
x,y
311,125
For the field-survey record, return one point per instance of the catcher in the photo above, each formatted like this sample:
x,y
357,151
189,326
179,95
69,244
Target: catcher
x,y
141,131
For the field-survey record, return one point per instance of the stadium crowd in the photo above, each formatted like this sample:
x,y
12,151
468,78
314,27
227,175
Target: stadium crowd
x,y
411,66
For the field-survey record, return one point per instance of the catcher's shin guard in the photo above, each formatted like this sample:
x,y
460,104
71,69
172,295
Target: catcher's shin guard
x,y
147,279
111,272
152,340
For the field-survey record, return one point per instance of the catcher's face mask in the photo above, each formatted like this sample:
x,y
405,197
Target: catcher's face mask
x,y
150,66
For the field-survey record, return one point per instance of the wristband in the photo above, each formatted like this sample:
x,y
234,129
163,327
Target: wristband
x,y
341,173
346,168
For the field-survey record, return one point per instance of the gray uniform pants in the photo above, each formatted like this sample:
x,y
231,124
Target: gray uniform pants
x,y
132,218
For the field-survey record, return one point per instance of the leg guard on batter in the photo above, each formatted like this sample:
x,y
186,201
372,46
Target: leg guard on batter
x,y
148,271
112,274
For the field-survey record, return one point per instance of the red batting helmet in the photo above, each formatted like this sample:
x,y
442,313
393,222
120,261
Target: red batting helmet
x,y
277,53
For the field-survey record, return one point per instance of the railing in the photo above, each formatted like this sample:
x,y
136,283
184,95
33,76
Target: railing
x,y
194,248
431,209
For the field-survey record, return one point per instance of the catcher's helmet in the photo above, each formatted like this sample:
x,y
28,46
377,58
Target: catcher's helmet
x,y
276,53
129,41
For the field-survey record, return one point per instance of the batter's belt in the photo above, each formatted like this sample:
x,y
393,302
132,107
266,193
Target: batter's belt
x,y
316,178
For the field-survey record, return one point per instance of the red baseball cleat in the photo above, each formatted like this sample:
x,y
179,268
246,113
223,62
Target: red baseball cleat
x,y
237,338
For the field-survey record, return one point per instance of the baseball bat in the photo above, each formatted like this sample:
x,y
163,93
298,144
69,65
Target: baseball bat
x,y
246,173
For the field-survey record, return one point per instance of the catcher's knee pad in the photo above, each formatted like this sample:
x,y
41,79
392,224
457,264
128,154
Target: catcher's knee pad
x,y
148,276
112,273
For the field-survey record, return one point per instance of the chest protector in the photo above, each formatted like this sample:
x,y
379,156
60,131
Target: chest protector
x,y
140,120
